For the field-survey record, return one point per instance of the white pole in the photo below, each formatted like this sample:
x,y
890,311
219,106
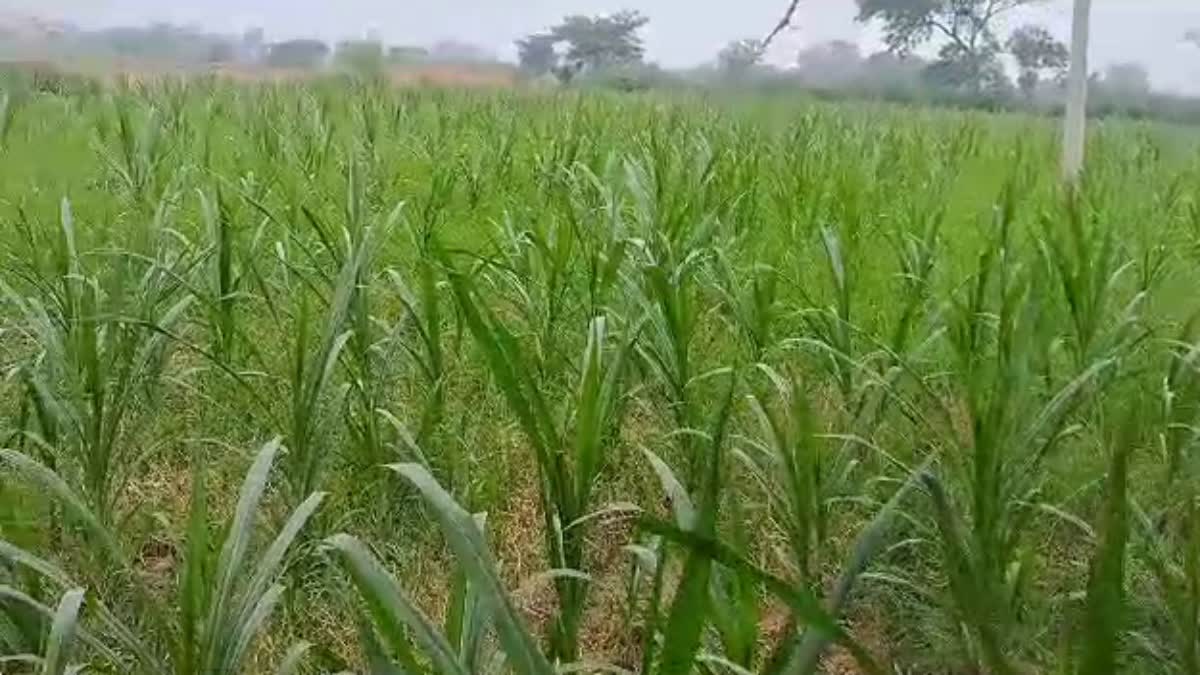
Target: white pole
x,y
1077,85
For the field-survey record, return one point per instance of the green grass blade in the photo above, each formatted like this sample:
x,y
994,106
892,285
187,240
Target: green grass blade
x,y
466,622
687,617
1104,615
39,475
62,632
469,548
240,637
132,643
390,609
47,569
866,548
690,609
268,568
682,507
8,593
377,658
799,600
193,599
973,598
218,630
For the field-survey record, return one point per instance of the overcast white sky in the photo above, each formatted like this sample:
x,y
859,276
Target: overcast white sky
x,y
681,32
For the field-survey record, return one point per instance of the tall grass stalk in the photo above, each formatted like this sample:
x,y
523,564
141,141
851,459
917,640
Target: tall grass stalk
x,y
569,445
222,603
102,345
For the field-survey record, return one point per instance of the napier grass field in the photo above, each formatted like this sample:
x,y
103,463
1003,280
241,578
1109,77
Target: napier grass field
x,y
323,377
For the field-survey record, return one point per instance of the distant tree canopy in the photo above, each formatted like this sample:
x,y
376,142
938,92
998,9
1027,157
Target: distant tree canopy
x,y
537,53
968,56
597,42
892,74
968,24
302,53
1037,52
583,43
158,42
829,64
161,43
739,57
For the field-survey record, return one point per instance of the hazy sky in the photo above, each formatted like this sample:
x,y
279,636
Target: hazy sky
x,y
681,32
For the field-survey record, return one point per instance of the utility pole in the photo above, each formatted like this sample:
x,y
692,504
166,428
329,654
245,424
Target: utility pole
x,y
1074,133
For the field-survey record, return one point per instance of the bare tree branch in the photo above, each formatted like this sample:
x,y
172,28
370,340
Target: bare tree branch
x,y
989,11
997,7
952,34
783,24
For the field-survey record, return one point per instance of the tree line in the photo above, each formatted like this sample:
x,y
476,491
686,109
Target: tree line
x,y
189,46
970,48
935,50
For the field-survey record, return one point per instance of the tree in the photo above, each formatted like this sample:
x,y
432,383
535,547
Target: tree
x,y
1036,52
583,43
739,57
889,74
830,64
161,42
537,54
595,43
303,53
968,57
975,74
784,23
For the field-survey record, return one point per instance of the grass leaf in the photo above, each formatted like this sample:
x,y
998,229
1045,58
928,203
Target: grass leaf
x,y
465,539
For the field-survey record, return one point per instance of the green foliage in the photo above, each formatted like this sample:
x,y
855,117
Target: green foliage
x,y
536,53
103,340
967,31
1036,50
908,23
1105,613
599,42
221,606
892,386
569,460
591,44
739,57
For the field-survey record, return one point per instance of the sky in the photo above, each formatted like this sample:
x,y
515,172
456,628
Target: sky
x,y
680,33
